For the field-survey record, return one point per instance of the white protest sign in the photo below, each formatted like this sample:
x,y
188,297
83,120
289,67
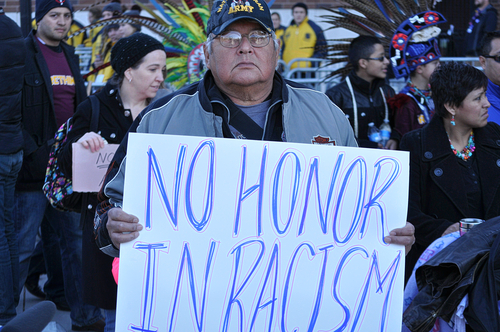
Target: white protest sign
x,y
261,236
89,168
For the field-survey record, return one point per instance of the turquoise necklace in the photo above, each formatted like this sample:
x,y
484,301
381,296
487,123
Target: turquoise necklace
x,y
466,153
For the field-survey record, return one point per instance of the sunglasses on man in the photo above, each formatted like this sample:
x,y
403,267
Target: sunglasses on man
x,y
496,58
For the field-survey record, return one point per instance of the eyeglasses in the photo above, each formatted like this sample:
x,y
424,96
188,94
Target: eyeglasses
x,y
381,59
233,39
496,58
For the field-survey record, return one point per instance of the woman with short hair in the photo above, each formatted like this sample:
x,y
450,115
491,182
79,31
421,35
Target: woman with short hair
x,y
454,160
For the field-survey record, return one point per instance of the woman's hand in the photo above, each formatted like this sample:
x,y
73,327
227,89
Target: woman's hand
x,y
404,235
92,141
453,228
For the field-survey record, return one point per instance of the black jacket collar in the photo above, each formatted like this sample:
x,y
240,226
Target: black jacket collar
x,y
364,86
213,100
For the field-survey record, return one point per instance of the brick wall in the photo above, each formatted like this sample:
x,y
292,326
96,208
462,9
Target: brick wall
x,y
13,5
456,11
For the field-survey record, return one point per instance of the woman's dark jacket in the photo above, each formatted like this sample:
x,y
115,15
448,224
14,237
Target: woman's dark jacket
x,y
39,119
99,287
437,197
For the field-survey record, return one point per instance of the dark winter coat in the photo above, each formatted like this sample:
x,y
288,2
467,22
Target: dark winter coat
x,y
437,197
39,120
370,102
99,287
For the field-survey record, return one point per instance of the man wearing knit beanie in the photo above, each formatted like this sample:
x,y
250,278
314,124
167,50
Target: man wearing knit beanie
x,y
303,38
111,9
52,88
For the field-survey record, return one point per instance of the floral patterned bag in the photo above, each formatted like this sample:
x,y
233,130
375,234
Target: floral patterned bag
x,y
57,187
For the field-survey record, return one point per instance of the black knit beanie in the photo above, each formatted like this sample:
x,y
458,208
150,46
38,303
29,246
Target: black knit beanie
x,y
128,51
301,5
114,7
44,6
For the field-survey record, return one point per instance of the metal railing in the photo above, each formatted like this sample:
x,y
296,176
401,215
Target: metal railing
x,y
316,76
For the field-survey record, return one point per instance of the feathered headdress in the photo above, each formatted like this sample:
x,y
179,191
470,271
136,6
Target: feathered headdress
x,y
185,60
406,27
183,31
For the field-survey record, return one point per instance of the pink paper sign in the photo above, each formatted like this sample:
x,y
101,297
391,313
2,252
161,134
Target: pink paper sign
x,y
90,168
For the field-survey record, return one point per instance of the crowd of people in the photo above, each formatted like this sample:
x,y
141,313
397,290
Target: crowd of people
x,y
447,117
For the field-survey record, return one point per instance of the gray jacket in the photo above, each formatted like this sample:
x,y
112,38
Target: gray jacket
x,y
297,114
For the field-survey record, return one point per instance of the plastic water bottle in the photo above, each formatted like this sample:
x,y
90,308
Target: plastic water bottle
x,y
385,132
373,133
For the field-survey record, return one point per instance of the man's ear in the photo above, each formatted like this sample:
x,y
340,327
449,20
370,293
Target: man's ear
x,y
277,51
207,55
482,61
362,63
419,69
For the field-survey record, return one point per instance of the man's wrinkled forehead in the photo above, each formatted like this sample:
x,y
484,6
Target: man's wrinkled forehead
x,y
237,24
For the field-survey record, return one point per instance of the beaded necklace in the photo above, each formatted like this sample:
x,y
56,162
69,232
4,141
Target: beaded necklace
x,y
466,153
425,95
425,99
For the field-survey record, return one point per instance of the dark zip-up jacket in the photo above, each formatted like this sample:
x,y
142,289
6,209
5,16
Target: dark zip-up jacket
x,y
370,103
469,265
39,120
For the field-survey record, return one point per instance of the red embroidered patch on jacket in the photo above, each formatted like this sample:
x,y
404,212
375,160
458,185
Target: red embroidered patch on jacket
x,y
323,140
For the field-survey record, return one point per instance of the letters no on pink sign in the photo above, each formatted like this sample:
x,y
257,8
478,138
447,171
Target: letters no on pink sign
x,y
261,236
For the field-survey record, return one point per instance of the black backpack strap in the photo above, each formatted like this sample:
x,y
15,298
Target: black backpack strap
x,y
94,119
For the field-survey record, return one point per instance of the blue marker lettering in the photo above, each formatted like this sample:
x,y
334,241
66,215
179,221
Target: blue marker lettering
x,y
154,170
276,186
236,291
199,225
186,258
244,194
361,165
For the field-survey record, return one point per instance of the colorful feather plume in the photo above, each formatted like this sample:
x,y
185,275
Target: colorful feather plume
x,y
183,30
379,18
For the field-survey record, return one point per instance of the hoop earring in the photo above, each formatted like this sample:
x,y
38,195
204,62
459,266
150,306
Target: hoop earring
x,y
452,120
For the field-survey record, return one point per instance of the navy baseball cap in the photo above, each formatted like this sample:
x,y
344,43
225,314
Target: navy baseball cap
x,y
226,12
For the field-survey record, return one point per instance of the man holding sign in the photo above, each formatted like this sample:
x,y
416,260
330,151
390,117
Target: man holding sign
x,y
241,96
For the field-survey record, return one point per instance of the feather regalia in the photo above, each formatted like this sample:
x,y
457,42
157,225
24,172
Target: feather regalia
x,y
182,28
394,22
185,60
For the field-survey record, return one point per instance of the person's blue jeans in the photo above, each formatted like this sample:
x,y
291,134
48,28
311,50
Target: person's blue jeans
x,y
31,208
110,316
10,164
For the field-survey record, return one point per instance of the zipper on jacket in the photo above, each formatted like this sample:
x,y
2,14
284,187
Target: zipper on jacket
x,y
228,116
432,316
267,117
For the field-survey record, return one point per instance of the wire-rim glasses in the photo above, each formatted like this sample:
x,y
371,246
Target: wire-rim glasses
x,y
232,39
